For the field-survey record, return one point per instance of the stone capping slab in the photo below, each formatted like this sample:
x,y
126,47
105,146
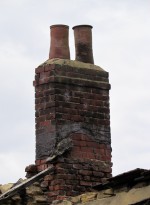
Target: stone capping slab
x,y
60,69
75,67
72,63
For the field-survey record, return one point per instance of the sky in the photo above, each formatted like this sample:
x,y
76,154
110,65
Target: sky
x,y
121,46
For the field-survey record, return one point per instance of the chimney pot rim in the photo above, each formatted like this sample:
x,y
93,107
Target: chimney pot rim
x,y
59,25
82,25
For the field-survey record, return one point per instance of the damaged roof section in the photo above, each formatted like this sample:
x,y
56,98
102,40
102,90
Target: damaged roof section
x,y
15,189
127,179
129,188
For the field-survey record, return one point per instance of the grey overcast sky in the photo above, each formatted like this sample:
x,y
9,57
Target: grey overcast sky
x,y
121,45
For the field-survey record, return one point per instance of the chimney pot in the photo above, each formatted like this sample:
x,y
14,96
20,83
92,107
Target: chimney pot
x,y
83,43
59,47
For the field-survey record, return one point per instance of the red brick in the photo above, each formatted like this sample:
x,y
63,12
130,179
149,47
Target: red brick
x,y
48,177
45,123
108,175
42,167
84,155
76,154
40,106
108,153
71,182
77,166
43,161
62,187
62,176
76,149
39,94
85,183
82,143
75,99
85,172
49,91
76,136
87,178
98,157
66,165
96,150
98,174
73,111
85,137
40,119
50,116
106,104
103,122
102,152
51,188
39,69
108,158
57,181
93,144
60,170
80,136
38,162
43,81
87,149
103,146
77,118
66,116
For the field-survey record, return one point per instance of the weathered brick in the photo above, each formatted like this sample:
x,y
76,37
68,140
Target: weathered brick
x,y
57,181
85,172
71,182
42,167
48,177
67,96
50,116
79,143
76,154
86,183
88,155
98,174
77,166
87,149
39,69
77,118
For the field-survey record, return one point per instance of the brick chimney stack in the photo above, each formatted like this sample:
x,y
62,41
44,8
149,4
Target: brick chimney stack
x,y
72,116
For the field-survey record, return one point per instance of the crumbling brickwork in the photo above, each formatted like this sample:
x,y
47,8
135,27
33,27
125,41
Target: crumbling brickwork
x,y
73,121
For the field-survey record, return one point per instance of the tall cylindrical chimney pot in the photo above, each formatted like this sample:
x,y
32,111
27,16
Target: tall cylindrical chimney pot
x,y
59,47
83,43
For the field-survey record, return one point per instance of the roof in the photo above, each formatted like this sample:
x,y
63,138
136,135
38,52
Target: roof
x,y
129,178
129,188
